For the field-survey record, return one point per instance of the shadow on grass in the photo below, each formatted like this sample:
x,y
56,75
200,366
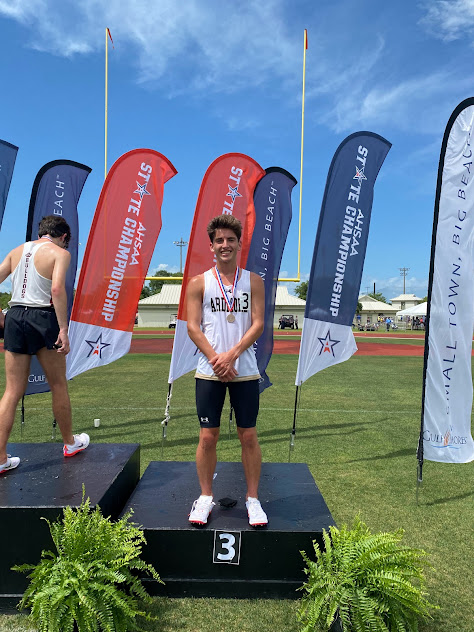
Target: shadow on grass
x,y
169,443
271,436
264,437
382,457
448,499
148,420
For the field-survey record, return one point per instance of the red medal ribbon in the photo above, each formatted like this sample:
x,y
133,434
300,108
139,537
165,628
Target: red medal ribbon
x,y
230,305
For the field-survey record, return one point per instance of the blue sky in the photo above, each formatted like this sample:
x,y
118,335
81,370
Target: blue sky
x,y
198,78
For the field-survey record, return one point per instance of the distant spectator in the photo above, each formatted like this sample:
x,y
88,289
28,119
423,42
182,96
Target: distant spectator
x,y
388,322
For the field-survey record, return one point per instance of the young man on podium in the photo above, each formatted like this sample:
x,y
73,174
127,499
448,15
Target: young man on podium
x,y
36,323
225,315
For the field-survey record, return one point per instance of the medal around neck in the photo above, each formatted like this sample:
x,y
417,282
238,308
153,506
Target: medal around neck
x,y
230,304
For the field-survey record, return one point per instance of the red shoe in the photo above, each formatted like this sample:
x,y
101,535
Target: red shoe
x,y
81,441
11,463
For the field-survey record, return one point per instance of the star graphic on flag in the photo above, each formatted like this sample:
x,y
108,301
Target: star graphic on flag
x,y
97,346
233,192
360,175
327,344
142,190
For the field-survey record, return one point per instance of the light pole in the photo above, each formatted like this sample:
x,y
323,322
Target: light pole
x,y
181,244
403,273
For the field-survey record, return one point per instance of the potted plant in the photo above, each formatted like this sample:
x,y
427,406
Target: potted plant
x,y
363,582
89,584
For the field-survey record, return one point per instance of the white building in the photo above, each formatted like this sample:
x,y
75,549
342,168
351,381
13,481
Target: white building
x,y
160,309
404,301
372,310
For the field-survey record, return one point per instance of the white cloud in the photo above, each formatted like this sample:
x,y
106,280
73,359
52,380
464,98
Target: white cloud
x,y
201,48
449,19
218,46
421,102
393,286
165,266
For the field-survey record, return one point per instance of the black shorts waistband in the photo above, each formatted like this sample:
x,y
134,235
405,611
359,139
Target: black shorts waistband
x,y
49,308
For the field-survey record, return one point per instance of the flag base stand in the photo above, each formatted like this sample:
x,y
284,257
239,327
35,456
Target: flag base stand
x,y
228,558
44,483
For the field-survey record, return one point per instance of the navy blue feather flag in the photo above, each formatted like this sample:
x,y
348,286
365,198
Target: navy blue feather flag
x,y
339,253
56,191
272,201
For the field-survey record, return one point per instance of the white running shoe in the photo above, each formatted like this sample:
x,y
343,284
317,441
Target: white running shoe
x,y
11,463
201,509
81,441
257,517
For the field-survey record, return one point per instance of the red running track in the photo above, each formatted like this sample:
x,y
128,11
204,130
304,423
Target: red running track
x,y
165,345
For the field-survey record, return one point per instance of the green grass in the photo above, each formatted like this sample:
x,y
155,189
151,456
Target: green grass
x,y
357,429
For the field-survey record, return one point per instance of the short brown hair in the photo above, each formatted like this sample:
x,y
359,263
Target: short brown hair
x,y
55,226
224,221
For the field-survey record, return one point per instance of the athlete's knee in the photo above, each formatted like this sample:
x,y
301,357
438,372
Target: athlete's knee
x,y
248,437
13,393
208,439
59,387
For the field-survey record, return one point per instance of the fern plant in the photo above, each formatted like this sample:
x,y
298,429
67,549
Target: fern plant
x,y
89,585
369,582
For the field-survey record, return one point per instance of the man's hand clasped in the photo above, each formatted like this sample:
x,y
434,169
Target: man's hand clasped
x,y
223,366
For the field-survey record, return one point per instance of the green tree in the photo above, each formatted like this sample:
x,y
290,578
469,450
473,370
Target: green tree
x,y
145,293
359,307
4,298
301,290
379,297
155,286
424,300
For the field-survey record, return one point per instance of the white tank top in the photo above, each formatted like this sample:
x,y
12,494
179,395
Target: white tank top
x,y
29,288
223,335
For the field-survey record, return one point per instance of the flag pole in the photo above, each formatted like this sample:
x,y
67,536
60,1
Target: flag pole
x,y
305,47
164,423
293,431
106,95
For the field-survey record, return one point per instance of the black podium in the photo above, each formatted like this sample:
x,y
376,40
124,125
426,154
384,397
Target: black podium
x,y
44,483
228,558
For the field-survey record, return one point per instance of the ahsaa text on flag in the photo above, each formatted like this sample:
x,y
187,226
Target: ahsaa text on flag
x,y
339,252
123,235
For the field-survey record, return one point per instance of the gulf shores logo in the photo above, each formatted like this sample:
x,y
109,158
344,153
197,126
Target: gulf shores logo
x,y
446,440
327,344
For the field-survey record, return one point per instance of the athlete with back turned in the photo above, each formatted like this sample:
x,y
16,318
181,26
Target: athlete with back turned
x,y
37,323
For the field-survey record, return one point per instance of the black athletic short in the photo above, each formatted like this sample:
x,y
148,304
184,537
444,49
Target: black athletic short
x,y
29,329
244,399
